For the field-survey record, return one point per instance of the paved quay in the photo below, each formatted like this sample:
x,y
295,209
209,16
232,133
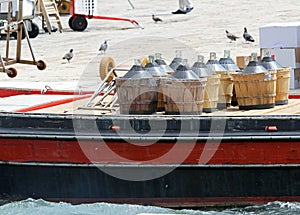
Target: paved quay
x,y
200,32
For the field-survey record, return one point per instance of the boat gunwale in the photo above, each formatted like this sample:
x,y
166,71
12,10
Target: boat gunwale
x,y
148,117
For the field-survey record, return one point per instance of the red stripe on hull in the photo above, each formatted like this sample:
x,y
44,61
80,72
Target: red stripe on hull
x,y
70,151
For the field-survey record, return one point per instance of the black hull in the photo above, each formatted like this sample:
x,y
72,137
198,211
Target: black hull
x,y
186,186
256,162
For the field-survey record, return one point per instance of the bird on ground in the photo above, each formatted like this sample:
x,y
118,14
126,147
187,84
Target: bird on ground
x,y
231,36
156,19
68,55
103,47
247,36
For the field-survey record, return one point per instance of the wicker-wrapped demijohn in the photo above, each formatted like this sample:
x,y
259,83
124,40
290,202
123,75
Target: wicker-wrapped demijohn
x,y
227,81
137,91
157,73
255,86
211,91
283,78
183,92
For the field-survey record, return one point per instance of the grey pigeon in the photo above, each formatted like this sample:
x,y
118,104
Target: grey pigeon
x,y
247,36
103,47
231,36
69,55
156,19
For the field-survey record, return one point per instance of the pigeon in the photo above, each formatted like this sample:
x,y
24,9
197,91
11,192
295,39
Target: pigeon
x,y
69,55
231,36
103,47
247,36
156,19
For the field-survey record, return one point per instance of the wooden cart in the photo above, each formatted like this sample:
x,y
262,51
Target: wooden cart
x,y
7,61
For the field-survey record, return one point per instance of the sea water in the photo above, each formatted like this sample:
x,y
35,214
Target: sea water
x,y
41,207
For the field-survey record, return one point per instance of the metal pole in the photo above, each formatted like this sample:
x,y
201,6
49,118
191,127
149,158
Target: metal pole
x,y
100,88
131,4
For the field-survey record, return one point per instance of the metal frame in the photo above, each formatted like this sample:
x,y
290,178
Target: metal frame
x,y
105,89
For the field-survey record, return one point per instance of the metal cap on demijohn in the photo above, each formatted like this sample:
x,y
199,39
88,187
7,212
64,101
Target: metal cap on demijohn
x,y
162,64
177,60
254,66
227,62
153,68
183,72
213,64
137,71
268,62
200,67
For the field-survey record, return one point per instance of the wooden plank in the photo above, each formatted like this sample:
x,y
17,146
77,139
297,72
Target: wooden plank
x,y
292,108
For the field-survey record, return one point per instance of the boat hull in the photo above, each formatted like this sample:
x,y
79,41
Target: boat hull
x,y
71,158
186,186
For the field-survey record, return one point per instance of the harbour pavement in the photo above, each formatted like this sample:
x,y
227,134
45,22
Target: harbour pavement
x,y
199,32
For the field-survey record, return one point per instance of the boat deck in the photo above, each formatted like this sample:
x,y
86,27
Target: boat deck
x,y
292,108
71,102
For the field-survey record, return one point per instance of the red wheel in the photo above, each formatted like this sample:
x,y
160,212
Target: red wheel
x,y
41,65
12,72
